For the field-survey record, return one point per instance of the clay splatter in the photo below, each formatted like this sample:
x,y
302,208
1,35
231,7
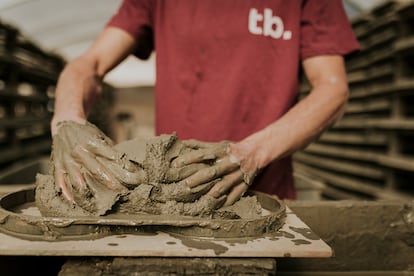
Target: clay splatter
x,y
284,234
205,245
171,242
306,232
112,244
300,241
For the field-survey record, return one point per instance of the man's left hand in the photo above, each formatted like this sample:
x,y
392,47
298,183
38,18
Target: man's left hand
x,y
227,163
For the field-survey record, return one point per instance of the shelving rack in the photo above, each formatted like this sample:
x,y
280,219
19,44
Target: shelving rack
x,y
28,76
369,153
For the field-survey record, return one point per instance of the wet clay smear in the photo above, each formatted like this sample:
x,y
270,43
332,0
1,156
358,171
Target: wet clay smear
x,y
159,189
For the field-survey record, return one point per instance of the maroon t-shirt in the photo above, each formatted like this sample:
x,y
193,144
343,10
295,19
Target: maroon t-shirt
x,y
226,69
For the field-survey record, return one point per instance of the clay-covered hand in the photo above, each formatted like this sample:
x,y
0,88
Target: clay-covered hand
x,y
84,159
233,172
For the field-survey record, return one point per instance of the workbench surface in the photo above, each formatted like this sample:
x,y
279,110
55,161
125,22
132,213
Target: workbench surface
x,y
294,239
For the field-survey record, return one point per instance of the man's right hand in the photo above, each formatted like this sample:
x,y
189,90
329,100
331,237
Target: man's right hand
x,y
83,157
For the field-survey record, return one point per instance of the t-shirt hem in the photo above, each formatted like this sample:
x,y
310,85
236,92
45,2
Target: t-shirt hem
x,y
123,27
328,52
143,50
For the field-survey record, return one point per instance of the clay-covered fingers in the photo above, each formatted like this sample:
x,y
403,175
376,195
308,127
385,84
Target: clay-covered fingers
x,y
61,184
205,205
210,173
196,144
178,174
124,171
236,193
95,168
100,148
115,163
213,152
68,177
84,152
59,171
226,184
74,177
180,193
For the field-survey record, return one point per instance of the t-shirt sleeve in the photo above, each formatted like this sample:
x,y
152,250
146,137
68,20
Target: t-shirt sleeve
x,y
136,18
326,30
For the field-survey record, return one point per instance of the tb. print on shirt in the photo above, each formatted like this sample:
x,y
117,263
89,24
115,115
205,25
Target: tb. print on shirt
x,y
267,24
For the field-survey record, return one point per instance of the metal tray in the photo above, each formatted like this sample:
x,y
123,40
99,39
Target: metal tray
x,y
20,217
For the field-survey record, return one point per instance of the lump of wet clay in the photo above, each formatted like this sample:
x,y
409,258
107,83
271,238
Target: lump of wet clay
x,y
161,193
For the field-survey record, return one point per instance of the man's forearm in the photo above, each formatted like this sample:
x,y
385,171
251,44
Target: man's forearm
x,y
77,89
80,82
298,127
305,121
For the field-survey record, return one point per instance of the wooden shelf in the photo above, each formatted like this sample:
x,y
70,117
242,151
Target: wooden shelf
x,y
401,87
354,138
25,122
22,122
368,171
357,188
13,95
26,150
395,162
384,124
368,106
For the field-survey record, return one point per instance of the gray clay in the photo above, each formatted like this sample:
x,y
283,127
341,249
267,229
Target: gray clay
x,y
160,193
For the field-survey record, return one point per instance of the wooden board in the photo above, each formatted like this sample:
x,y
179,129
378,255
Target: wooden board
x,y
294,239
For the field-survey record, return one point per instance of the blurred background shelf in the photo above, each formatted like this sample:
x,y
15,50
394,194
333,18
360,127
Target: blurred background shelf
x,y
369,153
28,76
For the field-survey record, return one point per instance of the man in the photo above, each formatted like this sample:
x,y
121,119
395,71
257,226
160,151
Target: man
x,y
226,70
